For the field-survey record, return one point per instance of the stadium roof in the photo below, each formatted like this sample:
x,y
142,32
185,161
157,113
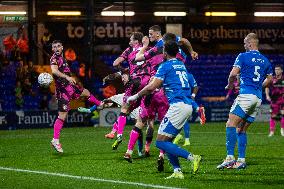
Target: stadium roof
x,y
192,7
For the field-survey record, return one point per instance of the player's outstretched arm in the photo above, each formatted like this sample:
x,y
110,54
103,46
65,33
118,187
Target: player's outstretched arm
x,y
55,71
118,61
187,44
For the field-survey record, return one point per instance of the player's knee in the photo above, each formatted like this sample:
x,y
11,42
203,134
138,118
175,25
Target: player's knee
x,y
139,125
86,92
124,109
62,115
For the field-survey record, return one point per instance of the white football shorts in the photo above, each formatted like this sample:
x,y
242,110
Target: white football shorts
x,y
246,106
118,99
175,118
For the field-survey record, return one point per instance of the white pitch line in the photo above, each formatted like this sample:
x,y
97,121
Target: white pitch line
x,y
87,178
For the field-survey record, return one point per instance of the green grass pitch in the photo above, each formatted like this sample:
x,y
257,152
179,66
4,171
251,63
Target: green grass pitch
x,y
87,153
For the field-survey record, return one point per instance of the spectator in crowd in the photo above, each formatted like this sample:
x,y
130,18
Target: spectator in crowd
x,y
31,72
46,41
23,44
21,71
19,97
27,87
9,43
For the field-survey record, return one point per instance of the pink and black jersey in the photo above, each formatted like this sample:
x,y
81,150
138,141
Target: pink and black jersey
x,y
138,69
65,91
277,90
155,56
63,67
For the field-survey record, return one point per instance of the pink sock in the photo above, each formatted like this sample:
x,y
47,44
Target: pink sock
x,y
121,122
282,122
93,100
114,127
132,140
58,124
272,124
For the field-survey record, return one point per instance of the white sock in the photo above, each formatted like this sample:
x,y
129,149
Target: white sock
x,y
56,141
119,135
190,157
242,159
230,157
129,152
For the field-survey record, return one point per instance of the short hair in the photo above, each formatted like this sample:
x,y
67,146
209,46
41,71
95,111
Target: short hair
x,y
252,37
171,48
56,41
279,66
137,36
155,28
169,37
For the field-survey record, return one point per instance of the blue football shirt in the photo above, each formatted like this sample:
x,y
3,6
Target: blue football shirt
x,y
175,81
254,67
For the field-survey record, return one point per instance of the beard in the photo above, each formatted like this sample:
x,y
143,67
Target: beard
x,y
58,53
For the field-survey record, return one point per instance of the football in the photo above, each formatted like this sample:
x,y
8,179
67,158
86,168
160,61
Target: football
x,y
45,79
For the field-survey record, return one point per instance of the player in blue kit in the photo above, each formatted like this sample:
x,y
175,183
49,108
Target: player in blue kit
x,y
173,77
195,108
255,73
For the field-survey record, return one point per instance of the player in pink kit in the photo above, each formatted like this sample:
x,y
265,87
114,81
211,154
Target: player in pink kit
x,y
66,89
275,95
139,75
151,105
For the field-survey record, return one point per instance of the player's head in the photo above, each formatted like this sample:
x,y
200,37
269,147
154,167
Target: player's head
x,y
251,42
125,77
135,38
170,49
169,37
57,47
155,33
278,70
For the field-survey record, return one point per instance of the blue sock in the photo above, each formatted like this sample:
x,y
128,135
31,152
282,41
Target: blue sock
x,y
242,144
93,108
173,160
231,139
173,149
186,128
